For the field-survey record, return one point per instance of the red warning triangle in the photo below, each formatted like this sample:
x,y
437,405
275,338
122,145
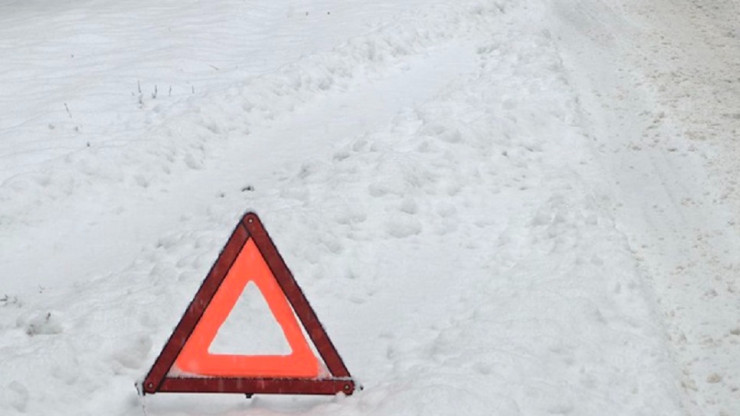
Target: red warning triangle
x,y
185,363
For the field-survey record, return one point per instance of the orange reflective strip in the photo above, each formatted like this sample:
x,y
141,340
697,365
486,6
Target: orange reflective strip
x,y
194,357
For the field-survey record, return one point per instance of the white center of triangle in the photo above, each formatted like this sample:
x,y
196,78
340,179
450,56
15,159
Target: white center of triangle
x,y
250,328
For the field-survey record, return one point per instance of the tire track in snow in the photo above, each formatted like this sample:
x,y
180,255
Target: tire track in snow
x,y
667,137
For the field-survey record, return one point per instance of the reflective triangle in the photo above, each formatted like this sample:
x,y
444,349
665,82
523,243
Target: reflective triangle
x,y
185,363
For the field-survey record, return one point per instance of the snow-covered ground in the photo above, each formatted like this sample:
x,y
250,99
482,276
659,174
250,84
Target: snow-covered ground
x,y
496,208
660,86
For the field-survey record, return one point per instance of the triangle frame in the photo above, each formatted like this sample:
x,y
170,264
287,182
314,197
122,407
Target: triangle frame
x,y
339,379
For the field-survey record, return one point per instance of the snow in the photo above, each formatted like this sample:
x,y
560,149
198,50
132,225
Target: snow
x,y
510,208
250,329
667,131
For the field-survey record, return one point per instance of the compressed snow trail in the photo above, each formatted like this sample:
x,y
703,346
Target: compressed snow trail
x,y
425,172
659,87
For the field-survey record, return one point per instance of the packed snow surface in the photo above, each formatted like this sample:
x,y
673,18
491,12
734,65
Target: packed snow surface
x,y
495,207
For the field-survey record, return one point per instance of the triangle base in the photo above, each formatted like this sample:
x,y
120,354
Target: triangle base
x,y
251,386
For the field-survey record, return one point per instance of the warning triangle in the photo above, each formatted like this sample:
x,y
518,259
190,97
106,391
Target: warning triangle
x,y
187,364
